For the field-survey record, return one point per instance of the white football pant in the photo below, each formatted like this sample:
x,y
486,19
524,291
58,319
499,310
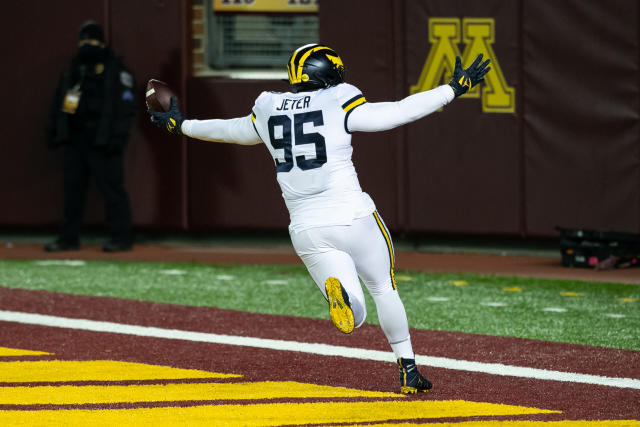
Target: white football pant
x,y
365,250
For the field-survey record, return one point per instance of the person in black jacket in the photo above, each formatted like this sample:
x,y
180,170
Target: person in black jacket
x,y
90,118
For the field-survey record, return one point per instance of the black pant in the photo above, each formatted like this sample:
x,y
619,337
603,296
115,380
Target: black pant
x,y
81,161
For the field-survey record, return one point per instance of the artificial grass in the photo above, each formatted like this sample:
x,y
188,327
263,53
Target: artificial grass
x,y
600,314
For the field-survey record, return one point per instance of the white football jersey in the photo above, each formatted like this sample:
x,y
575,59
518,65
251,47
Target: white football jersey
x,y
307,137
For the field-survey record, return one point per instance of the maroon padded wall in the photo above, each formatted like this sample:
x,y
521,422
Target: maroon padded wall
x,y
463,164
568,155
149,36
35,51
364,34
231,186
582,128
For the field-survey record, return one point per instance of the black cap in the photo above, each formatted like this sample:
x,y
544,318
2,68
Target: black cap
x,y
91,30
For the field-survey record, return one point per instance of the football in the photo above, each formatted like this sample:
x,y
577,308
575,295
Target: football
x,y
158,95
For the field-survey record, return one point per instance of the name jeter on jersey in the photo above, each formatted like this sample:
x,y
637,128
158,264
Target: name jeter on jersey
x,y
294,104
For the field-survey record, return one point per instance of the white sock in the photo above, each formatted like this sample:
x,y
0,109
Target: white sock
x,y
403,349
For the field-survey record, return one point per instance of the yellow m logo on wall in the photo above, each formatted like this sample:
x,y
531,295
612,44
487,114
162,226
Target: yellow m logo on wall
x,y
477,34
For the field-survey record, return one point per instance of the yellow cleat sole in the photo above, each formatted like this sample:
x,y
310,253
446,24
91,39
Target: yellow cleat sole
x,y
340,312
411,390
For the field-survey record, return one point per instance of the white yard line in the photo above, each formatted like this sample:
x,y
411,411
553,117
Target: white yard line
x,y
321,349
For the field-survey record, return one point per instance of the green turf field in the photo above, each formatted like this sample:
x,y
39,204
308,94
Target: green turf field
x,y
603,314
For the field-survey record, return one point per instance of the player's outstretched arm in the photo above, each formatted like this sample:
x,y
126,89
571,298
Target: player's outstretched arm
x,y
378,116
235,131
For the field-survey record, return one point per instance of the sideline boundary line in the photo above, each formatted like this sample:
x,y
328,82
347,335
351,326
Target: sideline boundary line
x,y
314,348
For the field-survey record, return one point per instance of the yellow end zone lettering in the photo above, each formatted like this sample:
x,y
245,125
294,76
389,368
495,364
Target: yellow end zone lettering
x,y
269,414
78,395
6,352
95,370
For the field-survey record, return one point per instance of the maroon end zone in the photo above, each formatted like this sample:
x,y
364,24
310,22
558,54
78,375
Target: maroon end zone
x,y
576,401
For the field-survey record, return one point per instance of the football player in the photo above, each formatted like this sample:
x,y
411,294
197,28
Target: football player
x,y
335,227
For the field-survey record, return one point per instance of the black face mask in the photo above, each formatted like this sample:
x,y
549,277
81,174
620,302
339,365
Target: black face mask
x,y
90,53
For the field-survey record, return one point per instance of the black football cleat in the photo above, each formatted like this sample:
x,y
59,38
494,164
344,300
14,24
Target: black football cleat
x,y
339,306
411,382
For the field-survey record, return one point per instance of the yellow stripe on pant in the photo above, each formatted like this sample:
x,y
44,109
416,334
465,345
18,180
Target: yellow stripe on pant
x,y
387,239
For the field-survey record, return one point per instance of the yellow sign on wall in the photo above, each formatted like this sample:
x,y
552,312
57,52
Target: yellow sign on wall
x,y
478,36
265,5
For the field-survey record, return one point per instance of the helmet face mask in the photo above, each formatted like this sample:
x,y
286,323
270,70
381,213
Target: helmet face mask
x,y
314,67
